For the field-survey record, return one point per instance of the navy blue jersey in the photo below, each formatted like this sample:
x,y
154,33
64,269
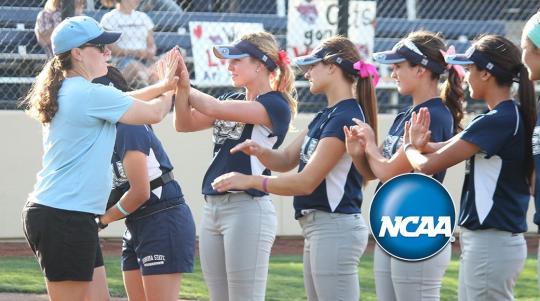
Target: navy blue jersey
x,y
142,138
495,191
227,134
441,127
341,189
536,155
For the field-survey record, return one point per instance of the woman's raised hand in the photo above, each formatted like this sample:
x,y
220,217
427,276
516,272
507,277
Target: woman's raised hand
x,y
417,130
166,69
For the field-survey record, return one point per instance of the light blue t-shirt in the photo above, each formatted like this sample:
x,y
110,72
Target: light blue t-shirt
x,y
78,145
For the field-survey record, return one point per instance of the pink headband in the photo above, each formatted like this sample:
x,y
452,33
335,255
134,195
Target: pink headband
x,y
283,58
459,69
365,70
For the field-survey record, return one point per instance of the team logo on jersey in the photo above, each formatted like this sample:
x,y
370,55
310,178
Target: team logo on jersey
x,y
224,130
536,140
412,217
390,144
308,147
119,175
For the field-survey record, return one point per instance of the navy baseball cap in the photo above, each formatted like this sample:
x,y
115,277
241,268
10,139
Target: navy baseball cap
x,y
473,56
405,50
241,49
77,31
323,54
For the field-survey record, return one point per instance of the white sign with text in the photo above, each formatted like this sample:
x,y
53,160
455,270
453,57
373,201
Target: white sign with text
x,y
310,22
209,70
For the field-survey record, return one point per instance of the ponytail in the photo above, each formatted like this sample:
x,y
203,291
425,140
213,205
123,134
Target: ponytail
x,y
367,99
281,80
285,84
41,102
528,111
452,94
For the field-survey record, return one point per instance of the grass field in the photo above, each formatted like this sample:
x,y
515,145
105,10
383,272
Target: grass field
x,y
22,274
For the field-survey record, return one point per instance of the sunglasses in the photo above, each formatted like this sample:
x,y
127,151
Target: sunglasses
x,y
100,47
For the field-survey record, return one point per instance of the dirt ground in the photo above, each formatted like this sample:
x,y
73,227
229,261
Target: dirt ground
x,y
112,247
282,246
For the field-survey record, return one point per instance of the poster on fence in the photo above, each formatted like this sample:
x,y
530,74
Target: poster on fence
x,y
310,22
209,70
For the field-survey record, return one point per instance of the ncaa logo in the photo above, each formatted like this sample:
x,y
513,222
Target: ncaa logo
x,y
412,217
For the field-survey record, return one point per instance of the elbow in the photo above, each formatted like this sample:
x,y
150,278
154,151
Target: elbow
x,y
306,190
210,111
141,195
368,177
424,167
156,116
385,177
178,126
307,187
182,127
284,168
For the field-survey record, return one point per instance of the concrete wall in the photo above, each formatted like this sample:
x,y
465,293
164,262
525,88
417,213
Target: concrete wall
x,y
20,160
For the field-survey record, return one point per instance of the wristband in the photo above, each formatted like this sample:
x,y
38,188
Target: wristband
x,y
406,146
265,184
121,209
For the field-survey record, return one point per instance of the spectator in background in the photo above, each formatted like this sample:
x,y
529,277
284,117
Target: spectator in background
x,y
159,5
151,5
48,18
135,51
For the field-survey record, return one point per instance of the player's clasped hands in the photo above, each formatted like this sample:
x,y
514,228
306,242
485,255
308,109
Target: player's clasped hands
x,y
357,137
183,75
166,69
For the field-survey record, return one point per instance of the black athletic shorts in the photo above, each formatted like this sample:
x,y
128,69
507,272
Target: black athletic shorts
x,y
65,242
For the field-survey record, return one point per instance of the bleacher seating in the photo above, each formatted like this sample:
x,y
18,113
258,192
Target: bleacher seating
x,y
19,49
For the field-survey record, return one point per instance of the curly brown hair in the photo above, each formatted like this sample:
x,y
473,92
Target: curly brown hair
x,y
41,102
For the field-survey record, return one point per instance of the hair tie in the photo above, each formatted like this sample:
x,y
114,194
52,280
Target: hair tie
x,y
283,58
365,70
458,68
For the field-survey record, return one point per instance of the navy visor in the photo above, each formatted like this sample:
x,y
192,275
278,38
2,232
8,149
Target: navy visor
x,y
473,56
323,54
243,49
405,50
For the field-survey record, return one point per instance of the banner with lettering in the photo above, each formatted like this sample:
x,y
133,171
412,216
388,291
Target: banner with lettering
x,y
209,70
310,22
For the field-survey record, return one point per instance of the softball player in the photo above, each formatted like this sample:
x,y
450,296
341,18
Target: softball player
x,y
78,119
239,227
159,243
530,44
418,63
497,147
327,187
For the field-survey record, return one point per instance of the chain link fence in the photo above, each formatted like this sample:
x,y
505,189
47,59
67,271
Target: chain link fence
x,y
298,25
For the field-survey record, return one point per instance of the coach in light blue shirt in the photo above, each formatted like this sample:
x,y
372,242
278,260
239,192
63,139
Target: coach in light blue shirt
x,y
78,119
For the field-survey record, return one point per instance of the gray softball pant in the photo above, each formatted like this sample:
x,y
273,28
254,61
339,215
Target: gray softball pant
x,y
396,279
491,261
236,236
333,246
